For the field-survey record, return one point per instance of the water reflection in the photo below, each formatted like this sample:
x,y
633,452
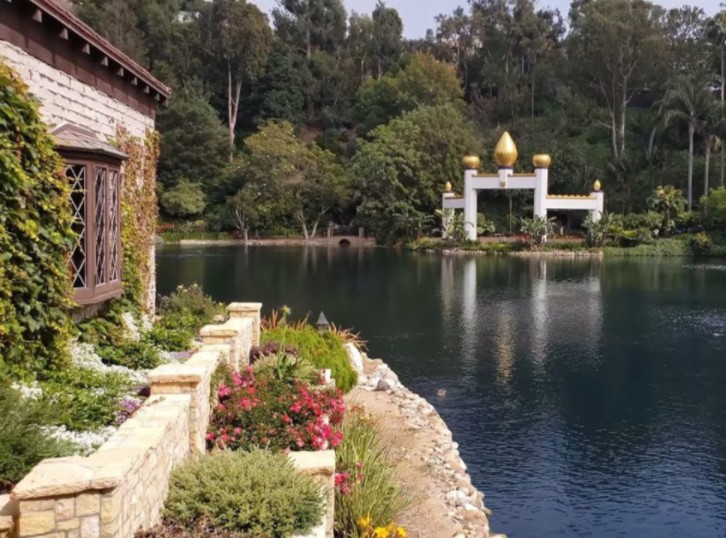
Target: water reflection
x,y
588,396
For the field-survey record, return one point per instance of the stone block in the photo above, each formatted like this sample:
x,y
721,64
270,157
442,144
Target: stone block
x,y
69,524
317,463
90,527
65,508
88,504
35,523
55,477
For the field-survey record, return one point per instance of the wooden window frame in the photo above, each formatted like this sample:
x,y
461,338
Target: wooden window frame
x,y
94,291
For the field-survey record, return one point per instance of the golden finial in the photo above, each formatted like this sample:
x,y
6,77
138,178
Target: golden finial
x,y
597,186
448,186
471,162
505,154
541,160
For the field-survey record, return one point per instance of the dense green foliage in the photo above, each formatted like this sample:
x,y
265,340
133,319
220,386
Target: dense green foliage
x,y
621,90
714,209
323,350
367,484
184,200
22,441
181,315
250,494
35,238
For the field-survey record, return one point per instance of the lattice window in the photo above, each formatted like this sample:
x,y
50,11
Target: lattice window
x,y
95,262
76,173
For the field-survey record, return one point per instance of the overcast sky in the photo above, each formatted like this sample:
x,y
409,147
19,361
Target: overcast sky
x,y
418,15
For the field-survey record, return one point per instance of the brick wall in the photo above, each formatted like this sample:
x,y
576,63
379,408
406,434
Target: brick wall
x,y
65,99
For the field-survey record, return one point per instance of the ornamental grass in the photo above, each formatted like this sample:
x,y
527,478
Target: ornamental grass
x,y
368,497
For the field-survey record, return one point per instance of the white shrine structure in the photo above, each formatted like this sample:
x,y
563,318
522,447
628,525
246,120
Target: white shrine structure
x,y
505,155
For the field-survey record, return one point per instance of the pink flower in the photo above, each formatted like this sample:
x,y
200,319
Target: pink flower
x,y
286,419
236,379
210,436
340,478
224,391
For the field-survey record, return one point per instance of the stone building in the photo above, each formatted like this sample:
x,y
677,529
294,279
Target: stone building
x,y
88,91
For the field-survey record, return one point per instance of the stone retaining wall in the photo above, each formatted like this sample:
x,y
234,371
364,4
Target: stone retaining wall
x,y
121,488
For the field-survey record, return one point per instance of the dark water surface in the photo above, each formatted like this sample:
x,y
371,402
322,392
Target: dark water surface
x,y
589,397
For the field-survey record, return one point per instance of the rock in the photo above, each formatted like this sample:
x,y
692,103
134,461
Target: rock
x,y
383,385
470,507
355,357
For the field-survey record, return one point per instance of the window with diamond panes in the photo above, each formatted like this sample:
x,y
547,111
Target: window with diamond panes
x,y
95,262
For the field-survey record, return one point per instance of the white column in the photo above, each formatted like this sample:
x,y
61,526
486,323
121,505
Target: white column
x,y
540,192
597,213
444,217
470,205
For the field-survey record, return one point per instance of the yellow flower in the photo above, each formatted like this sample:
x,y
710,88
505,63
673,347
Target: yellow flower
x,y
401,533
364,522
380,532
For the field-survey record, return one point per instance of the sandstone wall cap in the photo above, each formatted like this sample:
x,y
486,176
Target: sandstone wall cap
x,y
314,463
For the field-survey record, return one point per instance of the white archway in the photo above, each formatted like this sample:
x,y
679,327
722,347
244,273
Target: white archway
x,y
506,155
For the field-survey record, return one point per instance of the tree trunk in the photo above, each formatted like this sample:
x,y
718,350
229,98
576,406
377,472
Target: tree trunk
x,y
246,233
621,127
691,134
233,97
708,162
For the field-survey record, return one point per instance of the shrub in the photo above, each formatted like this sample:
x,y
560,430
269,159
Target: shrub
x,y
366,486
270,349
250,494
183,201
284,366
141,355
596,232
714,209
188,309
169,339
84,399
536,229
22,441
323,350
35,238
701,244
662,247
266,412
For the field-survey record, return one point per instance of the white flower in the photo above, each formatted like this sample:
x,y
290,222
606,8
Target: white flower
x,y
32,391
87,442
84,356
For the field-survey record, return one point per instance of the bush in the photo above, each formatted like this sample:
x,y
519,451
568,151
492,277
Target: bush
x,y
322,350
169,339
183,201
267,412
366,485
83,399
714,209
188,309
701,244
284,366
250,494
536,229
270,349
22,441
35,238
141,355
596,232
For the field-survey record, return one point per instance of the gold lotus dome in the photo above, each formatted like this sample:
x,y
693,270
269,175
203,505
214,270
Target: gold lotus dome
x,y
541,160
448,186
505,154
471,162
597,185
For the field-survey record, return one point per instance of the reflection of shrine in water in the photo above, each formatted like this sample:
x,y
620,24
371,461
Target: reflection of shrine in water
x,y
530,319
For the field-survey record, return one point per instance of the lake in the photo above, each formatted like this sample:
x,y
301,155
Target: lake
x,y
588,396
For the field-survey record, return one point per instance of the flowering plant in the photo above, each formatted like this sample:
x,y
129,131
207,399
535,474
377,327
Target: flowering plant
x,y
267,412
389,531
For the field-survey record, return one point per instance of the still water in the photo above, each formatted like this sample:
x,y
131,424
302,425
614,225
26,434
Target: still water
x,y
589,397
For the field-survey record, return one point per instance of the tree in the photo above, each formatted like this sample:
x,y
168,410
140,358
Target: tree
x,y
669,202
387,37
241,38
689,100
183,201
193,141
424,81
611,45
323,186
399,174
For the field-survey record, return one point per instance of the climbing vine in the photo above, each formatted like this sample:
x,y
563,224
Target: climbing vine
x,y
139,211
35,238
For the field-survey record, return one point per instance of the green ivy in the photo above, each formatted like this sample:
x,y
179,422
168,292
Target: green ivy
x,y
35,238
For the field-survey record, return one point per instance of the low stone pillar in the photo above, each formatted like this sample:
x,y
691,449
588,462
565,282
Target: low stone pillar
x,y
9,510
238,333
320,465
248,310
194,378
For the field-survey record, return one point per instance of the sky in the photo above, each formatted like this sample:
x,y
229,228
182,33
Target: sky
x,y
418,15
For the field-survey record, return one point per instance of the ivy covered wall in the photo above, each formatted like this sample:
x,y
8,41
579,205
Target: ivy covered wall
x,y
35,238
